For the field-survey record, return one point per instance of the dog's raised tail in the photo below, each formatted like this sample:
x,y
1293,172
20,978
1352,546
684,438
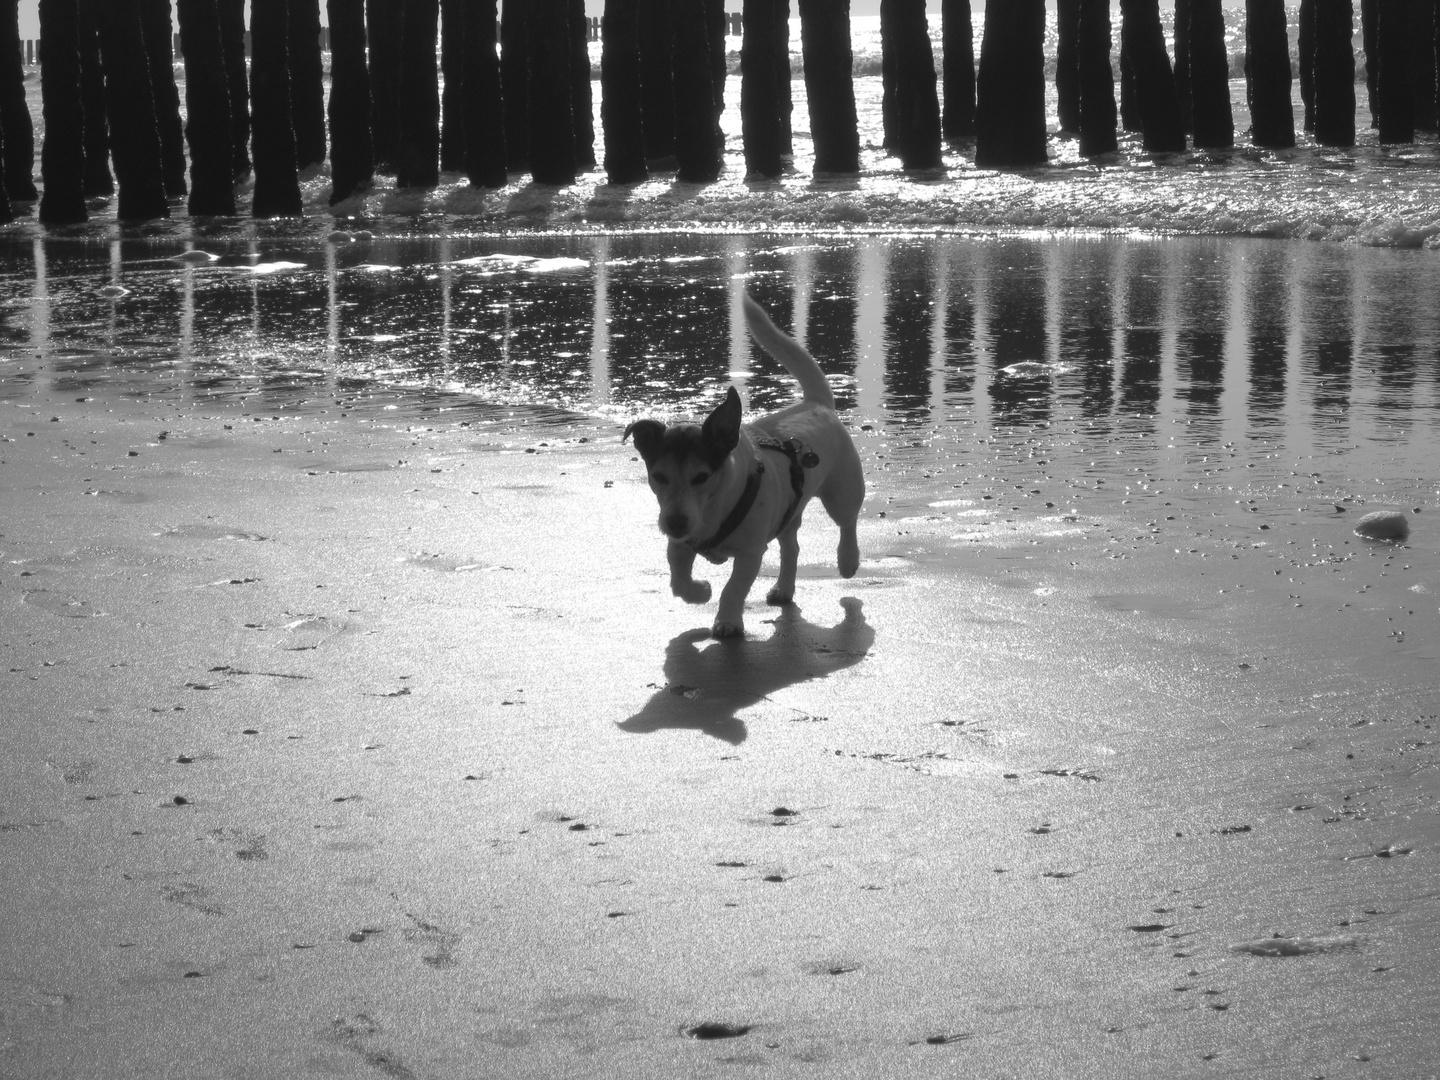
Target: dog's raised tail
x,y
790,353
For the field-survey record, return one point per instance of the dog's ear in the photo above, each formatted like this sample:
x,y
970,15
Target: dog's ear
x,y
721,430
647,435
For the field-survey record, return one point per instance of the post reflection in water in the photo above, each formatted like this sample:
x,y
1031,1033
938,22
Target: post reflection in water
x,y
970,335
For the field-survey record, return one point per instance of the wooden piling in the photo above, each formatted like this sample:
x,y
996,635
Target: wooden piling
x,y
716,23
1268,77
621,118
1424,76
957,75
1335,73
657,82
551,125
237,82
277,185
97,179
912,108
1396,105
1010,86
134,140
307,82
19,130
385,40
830,84
582,103
515,80
352,162
1096,79
1212,118
1130,118
1182,63
1067,64
159,53
782,78
1305,46
207,108
484,108
759,102
417,159
452,93
697,157
1158,100
62,155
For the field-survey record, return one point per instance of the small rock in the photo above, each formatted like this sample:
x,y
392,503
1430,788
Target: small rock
x,y
1383,525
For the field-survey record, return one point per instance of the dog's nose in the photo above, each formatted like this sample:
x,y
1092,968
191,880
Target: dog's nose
x,y
676,524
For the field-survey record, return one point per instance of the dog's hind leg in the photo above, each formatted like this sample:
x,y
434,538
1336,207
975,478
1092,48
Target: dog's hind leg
x,y
783,591
843,505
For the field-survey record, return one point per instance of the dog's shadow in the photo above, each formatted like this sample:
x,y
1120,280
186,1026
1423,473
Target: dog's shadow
x,y
706,687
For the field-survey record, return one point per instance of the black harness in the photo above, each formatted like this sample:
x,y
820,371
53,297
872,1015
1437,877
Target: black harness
x,y
801,458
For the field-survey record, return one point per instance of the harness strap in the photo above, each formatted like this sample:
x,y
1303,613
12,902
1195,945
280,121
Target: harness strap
x,y
801,458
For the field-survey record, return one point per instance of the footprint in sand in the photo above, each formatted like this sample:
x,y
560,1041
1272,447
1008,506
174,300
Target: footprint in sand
x,y
208,532
188,894
61,604
440,942
308,632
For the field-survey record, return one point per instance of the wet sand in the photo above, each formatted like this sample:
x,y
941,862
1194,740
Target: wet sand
x,y
369,741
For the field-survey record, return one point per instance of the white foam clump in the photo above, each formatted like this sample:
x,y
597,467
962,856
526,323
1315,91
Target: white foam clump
x,y
114,292
1383,525
275,267
195,258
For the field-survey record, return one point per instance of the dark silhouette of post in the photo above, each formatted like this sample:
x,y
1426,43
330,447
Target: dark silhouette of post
x,y
1424,75
207,109
1130,118
484,110
1214,122
716,22
159,52
582,103
621,118
277,185
417,160
1010,87
1183,91
134,140
62,155
307,82
352,160
1097,79
697,157
97,178
237,81
515,80
1267,66
1396,103
782,79
911,107
830,84
1158,102
385,39
552,128
1067,64
452,75
1370,44
657,82
1305,48
759,101
1335,73
957,73
15,122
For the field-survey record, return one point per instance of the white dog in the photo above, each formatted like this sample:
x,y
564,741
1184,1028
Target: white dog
x,y
726,489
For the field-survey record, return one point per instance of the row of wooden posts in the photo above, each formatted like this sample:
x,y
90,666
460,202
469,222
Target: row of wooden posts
x,y
109,93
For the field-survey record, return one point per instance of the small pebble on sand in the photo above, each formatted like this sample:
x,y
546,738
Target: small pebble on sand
x,y
1383,525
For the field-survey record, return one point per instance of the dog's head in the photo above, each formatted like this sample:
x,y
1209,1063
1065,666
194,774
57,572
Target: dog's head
x,y
684,463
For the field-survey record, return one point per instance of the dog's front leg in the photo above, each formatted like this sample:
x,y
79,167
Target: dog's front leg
x,y
682,559
730,618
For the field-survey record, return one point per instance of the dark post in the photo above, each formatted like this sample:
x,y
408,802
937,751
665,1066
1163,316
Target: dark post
x,y
582,104
1130,118
914,109
418,160
957,42
307,82
207,108
98,180
155,25
759,102
1272,115
716,24
1067,63
484,110
696,155
1010,88
62,156
515,80
1397,107
452,74
1335,73
830,84
782,76
1097,79
277,187
552,127
232,40
1210,77
1305,44
657,81
620,115
15,123
133,137
1154,81
1424,77
1183,21
352,162
1369,20
384,36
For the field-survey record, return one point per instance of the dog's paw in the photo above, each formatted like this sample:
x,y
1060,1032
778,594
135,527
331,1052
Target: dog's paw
x,y
778,597
693,592
723,629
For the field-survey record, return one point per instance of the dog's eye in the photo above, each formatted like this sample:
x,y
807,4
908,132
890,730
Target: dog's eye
x,y
699,478
659,478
